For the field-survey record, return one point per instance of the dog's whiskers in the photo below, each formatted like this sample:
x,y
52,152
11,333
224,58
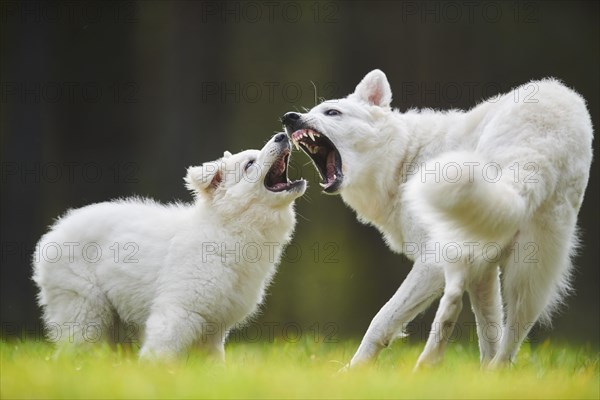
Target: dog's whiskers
x,y
303,217
307,198
316,97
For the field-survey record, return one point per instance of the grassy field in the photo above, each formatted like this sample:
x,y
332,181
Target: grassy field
x,y
295,370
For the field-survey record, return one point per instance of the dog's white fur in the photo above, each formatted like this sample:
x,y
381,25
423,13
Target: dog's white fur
x,y
199,268
538,136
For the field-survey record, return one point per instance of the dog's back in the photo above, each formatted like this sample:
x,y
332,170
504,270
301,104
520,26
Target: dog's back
x,y
518,192
98,264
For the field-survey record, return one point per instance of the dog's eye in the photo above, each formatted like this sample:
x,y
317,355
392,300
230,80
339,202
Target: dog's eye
x,y
248,164
332,113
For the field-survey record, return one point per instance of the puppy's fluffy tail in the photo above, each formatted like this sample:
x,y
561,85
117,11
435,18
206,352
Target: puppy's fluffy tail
x,y
462,196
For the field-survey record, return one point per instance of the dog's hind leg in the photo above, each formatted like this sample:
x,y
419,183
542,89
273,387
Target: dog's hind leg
x,y
422,286
445,318
534,281
486,302
77,317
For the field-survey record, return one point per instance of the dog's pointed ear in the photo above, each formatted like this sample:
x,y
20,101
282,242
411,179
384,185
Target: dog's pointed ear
x,y
204,179
374,89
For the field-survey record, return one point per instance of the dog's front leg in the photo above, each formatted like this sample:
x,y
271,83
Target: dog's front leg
x,y
170,329
422,286
445,318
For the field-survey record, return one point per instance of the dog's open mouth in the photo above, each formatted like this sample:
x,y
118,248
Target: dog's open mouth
x,y
277,178
325,156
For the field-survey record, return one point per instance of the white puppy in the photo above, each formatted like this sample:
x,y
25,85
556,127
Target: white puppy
x,y
464,194
182,273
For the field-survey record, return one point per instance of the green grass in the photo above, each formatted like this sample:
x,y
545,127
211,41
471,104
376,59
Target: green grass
x,y
295,370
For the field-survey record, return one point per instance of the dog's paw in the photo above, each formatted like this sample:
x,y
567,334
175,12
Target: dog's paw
x,y
427,362
342,371
497,363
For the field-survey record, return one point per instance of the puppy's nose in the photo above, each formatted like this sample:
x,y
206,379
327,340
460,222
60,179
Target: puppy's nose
x,y
280,137
290,118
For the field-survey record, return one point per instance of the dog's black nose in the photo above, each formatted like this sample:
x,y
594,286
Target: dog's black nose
x,y
290,118
279,137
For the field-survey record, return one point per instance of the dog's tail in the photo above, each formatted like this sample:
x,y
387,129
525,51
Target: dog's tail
x,y
462,196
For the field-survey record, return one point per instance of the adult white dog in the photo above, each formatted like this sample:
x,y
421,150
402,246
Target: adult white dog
x,y
183,273
464,195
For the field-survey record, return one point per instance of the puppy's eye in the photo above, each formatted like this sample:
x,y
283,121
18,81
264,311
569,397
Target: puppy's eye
x,y
248,164
332,113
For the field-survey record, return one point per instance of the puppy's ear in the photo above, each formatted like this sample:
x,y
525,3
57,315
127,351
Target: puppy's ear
x,y
204,179
374,89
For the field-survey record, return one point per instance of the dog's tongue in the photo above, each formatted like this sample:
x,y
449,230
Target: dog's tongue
x,y
330,166
279,186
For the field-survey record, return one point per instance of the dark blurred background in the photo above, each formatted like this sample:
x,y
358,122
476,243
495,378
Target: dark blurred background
x,y
111,99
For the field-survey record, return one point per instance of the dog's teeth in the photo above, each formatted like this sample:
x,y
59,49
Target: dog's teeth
x,y
297,145
323,185
312,136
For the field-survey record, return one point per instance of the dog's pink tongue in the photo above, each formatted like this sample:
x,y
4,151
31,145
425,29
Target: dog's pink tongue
x,y
330,166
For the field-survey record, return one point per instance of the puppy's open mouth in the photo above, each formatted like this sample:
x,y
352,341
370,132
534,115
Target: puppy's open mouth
x,y
277,178
324,155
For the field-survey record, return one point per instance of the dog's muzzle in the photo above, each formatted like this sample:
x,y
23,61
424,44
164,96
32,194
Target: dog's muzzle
x,y
291,121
